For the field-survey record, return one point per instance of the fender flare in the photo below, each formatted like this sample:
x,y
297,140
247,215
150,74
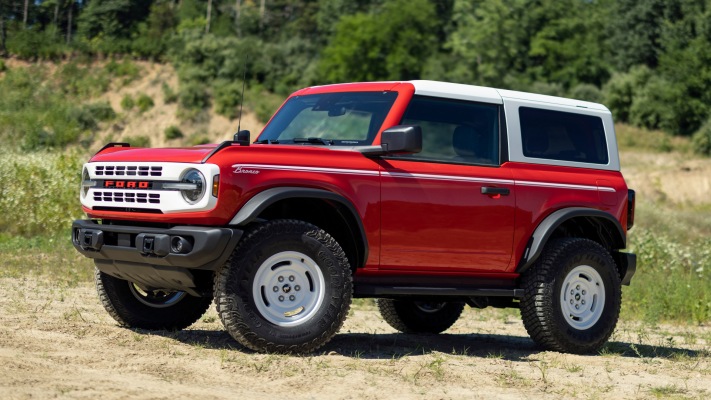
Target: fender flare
x,y
262,200
547,227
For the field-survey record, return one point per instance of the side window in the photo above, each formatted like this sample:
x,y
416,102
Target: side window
x,y
454,130
563,136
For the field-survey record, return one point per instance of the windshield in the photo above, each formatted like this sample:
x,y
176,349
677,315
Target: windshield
x,y
345,119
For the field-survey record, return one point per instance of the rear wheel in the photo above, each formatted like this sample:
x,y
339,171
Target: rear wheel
x,y
409,316
134,307
572,296
287,288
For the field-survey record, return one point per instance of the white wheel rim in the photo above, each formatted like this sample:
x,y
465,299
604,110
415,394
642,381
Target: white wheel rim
x,y
157,298
429,307
582,297
288,288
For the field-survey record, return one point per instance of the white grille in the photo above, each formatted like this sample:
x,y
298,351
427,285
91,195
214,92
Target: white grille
x,y
128,170
126,197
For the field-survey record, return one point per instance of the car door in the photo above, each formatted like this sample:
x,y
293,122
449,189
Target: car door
x,y
449,207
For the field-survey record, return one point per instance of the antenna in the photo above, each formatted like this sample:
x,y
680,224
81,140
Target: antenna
x,y
241,100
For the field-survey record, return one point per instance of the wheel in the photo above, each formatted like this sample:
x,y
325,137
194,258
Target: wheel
x,y
420,316
134,307
572,296
286,288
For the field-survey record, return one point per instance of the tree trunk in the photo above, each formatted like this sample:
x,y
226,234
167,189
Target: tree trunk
x,y
3,33
24,14
238,12
69,23
262,11
209,12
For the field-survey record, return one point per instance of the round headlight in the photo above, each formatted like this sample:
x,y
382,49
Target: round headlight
x,y
86,183
197,182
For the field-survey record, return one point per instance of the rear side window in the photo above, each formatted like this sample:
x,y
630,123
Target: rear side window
x,y
563,136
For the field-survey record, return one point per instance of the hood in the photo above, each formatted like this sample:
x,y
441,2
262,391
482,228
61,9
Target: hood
x,y
134,154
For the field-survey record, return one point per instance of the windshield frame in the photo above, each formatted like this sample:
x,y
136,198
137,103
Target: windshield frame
x,y
333,104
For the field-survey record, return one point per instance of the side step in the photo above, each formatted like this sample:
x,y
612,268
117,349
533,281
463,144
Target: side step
x,y
370,290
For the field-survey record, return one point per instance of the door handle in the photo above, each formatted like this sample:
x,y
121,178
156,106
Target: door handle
x,y
493,191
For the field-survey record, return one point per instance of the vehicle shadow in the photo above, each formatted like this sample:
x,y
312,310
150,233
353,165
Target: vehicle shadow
x,y
398,345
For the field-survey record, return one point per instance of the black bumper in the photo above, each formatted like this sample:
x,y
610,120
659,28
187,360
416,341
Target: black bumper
x,y
627,263
154,257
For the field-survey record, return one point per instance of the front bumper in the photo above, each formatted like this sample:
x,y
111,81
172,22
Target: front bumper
x,y
168,258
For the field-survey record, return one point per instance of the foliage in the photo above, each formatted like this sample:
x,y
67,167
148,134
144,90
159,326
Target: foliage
x,y
127,102
702,139
227,98
140,141
144,102
3,67
672,280
126,69
173,132
169,95
44,187
193,96
386,44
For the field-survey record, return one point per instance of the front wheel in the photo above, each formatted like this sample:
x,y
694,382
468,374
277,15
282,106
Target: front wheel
x,y
572,296
287,288
133,307
420,316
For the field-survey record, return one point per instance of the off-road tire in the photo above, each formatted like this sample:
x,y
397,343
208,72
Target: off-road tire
x,y
172,310
409,316
250,300
556,326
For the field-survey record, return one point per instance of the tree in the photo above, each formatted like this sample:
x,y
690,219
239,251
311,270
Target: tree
x,y
390,43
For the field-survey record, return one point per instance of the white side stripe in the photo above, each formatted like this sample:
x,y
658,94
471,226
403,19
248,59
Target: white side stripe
x,y
405,175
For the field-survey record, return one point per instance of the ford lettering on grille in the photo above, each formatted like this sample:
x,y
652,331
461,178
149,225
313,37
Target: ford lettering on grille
x,y
127,184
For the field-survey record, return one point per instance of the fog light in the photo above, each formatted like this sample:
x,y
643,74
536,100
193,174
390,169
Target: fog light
x,y
180,245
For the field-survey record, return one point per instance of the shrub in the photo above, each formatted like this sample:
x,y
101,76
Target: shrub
x,y
140,141
193,96
144,102
43,187
3,67
701,140
127,102
227,98
126,69
619,91
173,132
101,111
169,95
587,92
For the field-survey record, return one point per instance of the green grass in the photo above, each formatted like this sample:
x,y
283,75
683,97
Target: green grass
x,y
639,139
39,192
673,247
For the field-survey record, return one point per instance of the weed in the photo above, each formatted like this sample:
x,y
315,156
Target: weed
x,y
573,368
140,141
144,102
666,390
169,95
173,132
127,102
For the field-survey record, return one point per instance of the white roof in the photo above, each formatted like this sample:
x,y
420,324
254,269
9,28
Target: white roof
x,y
490,95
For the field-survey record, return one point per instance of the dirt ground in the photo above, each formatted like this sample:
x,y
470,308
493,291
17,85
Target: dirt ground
x,y
58,342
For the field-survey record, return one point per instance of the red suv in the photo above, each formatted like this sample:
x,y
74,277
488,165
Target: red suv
x,y
426,195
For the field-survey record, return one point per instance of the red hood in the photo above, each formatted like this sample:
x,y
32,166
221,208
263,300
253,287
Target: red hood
x,y
133,154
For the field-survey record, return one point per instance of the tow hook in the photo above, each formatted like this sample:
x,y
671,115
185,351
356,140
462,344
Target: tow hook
x,y
89,239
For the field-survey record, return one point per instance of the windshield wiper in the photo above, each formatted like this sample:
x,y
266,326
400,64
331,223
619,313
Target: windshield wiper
x,y
267,141
325,142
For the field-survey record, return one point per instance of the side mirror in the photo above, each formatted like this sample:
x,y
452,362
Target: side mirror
x,y
402,139
242,138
